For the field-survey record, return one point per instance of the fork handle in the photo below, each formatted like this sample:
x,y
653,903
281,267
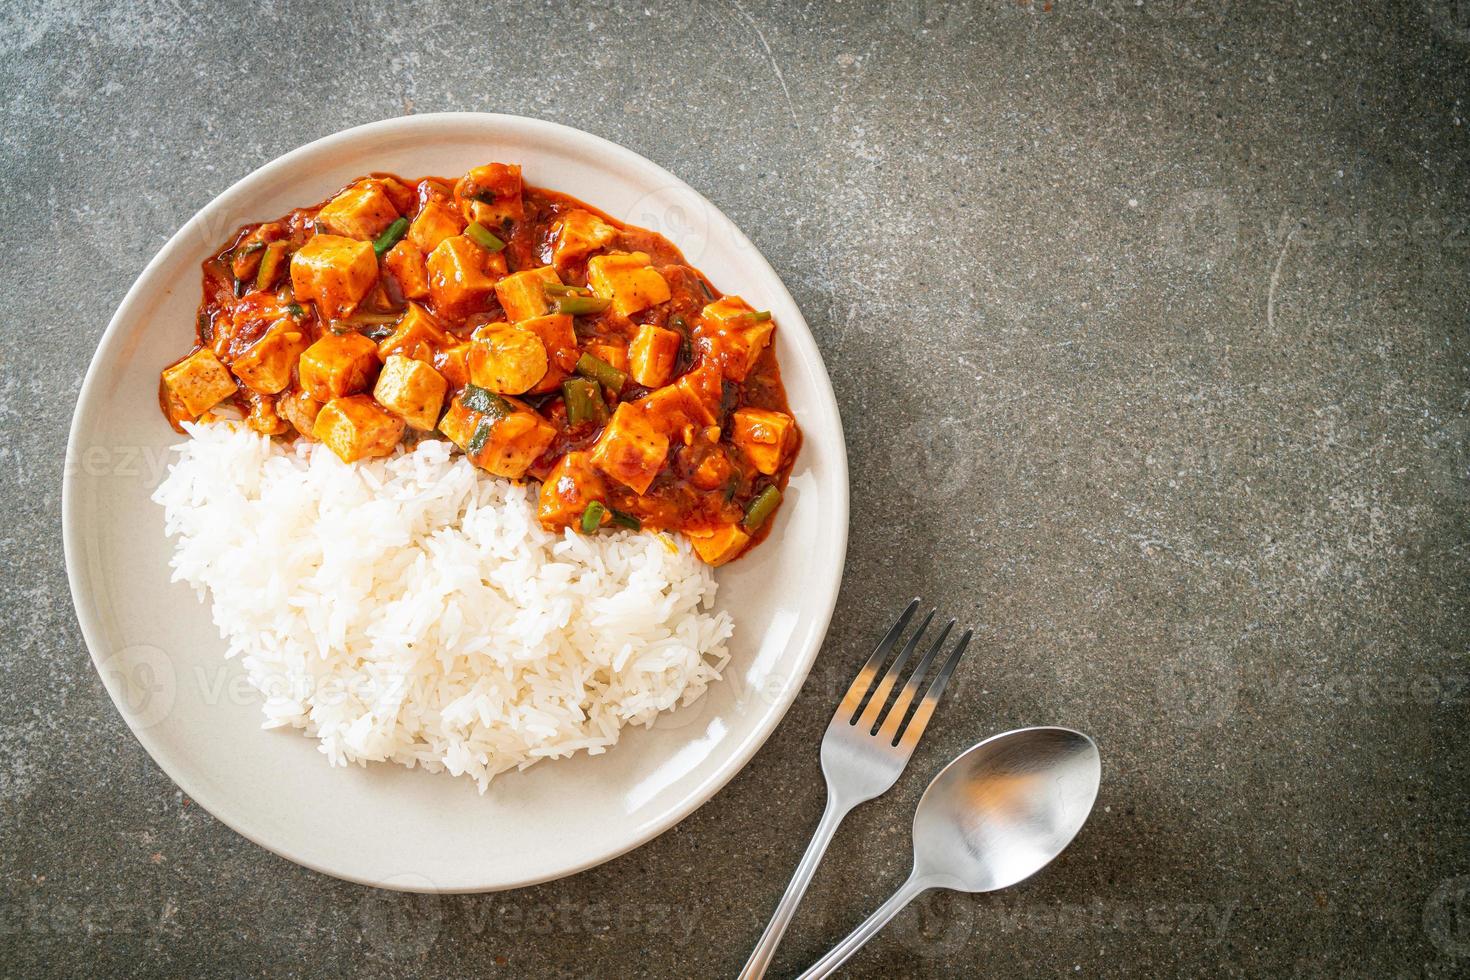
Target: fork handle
x,y
760,957
839,954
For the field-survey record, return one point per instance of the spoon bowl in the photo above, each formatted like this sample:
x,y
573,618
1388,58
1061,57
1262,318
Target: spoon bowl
x,y
1005,808
994,816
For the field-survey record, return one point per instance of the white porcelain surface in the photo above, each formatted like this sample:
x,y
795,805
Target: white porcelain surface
x,y
161,658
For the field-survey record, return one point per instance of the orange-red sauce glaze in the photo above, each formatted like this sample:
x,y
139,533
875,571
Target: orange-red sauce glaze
x,y
711,473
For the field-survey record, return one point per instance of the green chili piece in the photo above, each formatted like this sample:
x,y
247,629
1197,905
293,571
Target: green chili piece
x,y
484,401
626,520
584,401
390,237
759,509
592,516
580,305
483,237
482,433
759,316
599,370
270,265
562,289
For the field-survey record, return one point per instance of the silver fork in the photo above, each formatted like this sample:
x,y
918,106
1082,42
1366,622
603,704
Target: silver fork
x,y
863,755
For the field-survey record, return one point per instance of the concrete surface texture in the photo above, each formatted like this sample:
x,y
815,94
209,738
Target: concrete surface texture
x,y
1148,322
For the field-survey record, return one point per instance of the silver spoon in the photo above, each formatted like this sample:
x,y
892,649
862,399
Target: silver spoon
x,y
994,816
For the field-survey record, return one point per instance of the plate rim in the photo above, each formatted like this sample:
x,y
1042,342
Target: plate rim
x,y
88,618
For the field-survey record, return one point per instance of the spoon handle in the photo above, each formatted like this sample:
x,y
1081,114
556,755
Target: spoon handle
x,y
839,954
760,957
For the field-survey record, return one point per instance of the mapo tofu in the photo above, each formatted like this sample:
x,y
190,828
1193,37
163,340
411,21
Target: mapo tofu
x,y
544,339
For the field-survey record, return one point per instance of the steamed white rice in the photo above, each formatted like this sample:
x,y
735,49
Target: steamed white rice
x,y
412,610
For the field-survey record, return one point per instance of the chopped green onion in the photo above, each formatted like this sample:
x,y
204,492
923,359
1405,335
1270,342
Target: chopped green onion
x,y
704,287
759,509
584,401
626,520
482,237
580,305
484,401
296,309
599,370
241,288
482,434
592,516
250,248
390,237
562,289
759,316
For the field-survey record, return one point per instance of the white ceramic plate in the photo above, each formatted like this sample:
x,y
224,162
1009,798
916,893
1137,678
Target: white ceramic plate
x,y
161,659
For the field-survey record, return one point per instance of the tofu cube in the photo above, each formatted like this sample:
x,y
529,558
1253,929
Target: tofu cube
x,y
454,364
614,354
573,483
523,295
356,427
491,194
506,359
363,211
631,449
406,264
579,233
652,355
764,436
334,272
266,365
504,445
416,335
338,365
458,423
734,338
412,390
627,279
458,282
558,337
720,545
677,410
196,384
434,223
301,410
515,442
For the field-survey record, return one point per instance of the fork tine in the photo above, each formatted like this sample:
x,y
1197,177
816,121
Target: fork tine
x,y
906,697
925,710
864,678
890,676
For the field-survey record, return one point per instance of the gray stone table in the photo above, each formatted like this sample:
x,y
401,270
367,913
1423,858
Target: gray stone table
x,y
1148,322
